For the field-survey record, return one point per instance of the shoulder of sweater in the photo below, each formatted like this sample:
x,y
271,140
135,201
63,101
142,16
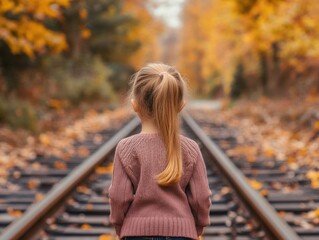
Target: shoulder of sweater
x,y
191,146
127,145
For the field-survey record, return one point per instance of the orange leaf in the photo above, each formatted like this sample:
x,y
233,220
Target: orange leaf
x,y
83,152
86,226
89,207
104,169
39,196
105,237
59,165
12,212
33,183
44,139
264,192
291,159
281,213
255,184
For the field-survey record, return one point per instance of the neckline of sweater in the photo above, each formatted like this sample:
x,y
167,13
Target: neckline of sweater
x,y
149,134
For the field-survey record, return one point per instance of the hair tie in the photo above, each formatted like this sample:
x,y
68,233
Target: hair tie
x,y
162,74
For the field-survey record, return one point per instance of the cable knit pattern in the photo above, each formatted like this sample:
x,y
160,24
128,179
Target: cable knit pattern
x,y
140,207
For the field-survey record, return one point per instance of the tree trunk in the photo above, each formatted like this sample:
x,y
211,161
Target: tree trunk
x,y
263,71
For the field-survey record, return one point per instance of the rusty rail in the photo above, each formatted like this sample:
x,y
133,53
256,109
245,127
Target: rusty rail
x,y
274,226
34,218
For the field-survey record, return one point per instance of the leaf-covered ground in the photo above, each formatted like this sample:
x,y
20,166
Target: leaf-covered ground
x,y
286,130
17,147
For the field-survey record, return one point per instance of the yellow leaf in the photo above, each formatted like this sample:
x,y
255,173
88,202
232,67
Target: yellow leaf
x,y
314,178
83,189
269,152
44,139
264,192
104,169
255,184
303,151
314,214
291,159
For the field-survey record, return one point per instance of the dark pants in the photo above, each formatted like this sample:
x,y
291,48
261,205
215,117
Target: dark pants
x,y
155,238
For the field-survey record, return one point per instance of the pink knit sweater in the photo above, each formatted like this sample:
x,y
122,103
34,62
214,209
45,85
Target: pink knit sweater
x,y
140,207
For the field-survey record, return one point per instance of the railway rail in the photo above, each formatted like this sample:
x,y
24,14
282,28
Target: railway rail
x,y
77,206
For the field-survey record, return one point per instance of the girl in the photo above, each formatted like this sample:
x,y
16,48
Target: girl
x,y
159,187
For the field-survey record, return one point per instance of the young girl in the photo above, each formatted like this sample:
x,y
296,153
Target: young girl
x,y
159,187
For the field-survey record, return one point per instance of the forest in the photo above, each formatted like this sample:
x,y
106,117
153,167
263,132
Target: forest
x,y
58,55
65,67
62,58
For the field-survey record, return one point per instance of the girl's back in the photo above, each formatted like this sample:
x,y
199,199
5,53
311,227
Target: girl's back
x,y
178,210
159,184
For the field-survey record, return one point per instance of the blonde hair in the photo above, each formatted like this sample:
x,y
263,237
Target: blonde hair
x,y
159,91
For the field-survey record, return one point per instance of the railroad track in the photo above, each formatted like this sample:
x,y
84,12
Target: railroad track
x,y
287,189
28,185
77,206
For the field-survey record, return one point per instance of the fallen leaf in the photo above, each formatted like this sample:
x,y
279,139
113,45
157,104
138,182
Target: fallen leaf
x,y
12,212
89,206
83,152
39,196
86,226
44,139
105,237
33,183
60,165
255,184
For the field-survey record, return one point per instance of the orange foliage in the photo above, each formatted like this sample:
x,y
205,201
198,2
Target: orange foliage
x,y
145,32
219,34
26,33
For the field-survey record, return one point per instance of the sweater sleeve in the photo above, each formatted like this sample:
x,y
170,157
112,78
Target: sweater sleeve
x,y
199,194
120,193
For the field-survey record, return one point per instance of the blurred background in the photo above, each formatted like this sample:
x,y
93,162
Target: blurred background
x,y
60,58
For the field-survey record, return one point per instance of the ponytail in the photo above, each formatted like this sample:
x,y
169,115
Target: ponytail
x,y
166,106
159,90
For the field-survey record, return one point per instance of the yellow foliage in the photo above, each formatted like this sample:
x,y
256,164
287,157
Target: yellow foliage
x,y
26,33
146,32
218,34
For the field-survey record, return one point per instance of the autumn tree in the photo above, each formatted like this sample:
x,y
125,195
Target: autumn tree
x,y
24,34
263,35
22,26
144,33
